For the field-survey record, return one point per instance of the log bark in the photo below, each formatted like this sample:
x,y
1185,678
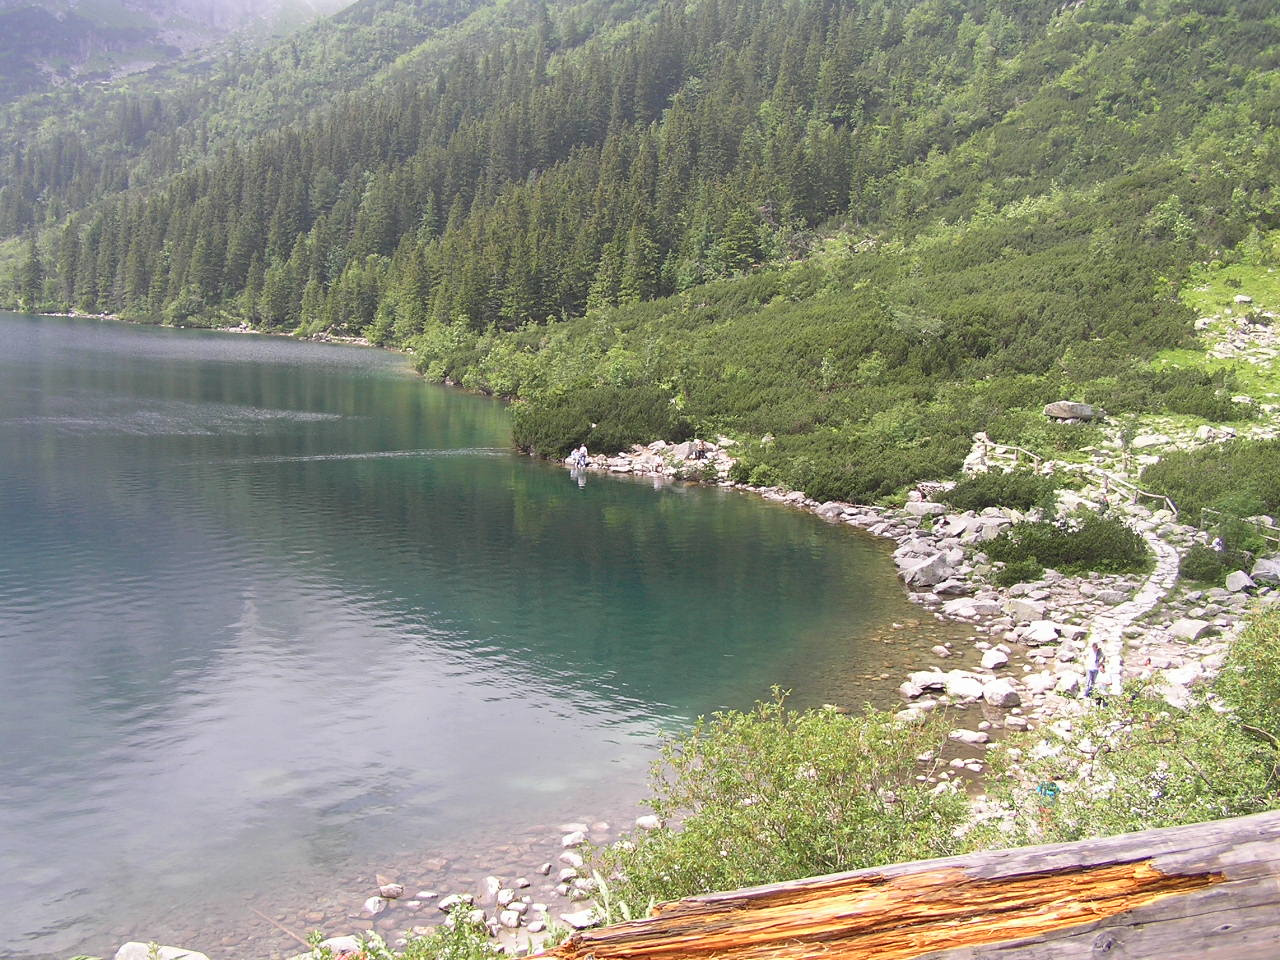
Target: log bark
x,y
1209,891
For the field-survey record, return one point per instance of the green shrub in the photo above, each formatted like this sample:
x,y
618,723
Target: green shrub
x,y
1131,764
1239,479
1250,679
606,418
1088,542
775,794
1206,565
1020,489
1019,571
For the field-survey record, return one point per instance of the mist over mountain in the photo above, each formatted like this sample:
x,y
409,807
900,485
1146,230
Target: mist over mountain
x,y
47,43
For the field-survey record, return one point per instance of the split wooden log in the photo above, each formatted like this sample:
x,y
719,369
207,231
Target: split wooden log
x,y
1205,892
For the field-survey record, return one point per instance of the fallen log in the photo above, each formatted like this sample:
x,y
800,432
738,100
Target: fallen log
x,y
1209,891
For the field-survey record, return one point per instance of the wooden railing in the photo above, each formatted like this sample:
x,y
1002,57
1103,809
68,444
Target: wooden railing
x,y
1269,532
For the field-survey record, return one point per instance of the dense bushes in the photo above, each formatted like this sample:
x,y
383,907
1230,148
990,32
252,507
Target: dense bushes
x,y
1080,543
1019,489
1239,479
776,794
1206,565
605,418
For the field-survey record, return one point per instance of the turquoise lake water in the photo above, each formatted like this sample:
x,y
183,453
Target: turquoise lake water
x,y
273,613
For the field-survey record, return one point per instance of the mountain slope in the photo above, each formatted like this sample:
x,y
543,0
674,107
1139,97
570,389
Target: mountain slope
x,y
51,42
537,200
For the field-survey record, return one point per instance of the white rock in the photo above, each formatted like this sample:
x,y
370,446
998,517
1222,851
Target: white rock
x,y
1040,632
648,822
133,950
1189,629
568,873
375,905
1000,693
575,839
994,658
1147,440
581,920
491,887
963,686
1069,682
921,509
1020,608
392,891
1239,581
1243,298
509,919
572,858
971,737
505,896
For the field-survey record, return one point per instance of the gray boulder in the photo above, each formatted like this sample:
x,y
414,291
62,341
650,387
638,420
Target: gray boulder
x,y
1189,629
1239,581
1070,410
927,572
1000,693
1266,568
1021,608
920,508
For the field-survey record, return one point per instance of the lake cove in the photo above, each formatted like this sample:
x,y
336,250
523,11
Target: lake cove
x,y
275,616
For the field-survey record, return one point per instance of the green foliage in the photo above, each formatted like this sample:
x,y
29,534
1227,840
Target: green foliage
x,y
1080,543
776,794
1250,678
461,938
1238,479
1018,489
1206,565
1131,764
1019,571
607,418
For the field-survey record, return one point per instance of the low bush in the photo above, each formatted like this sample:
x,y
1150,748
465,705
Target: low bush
x,y
1206,565
1019,571
776,794
1238,479
1020,489
606,418
1080,543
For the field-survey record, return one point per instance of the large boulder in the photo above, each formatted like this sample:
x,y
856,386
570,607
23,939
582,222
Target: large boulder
x,y
1070,410
921,508
1238,581
1189,629
1000,693
1266,568
927,572
1022,608
963,686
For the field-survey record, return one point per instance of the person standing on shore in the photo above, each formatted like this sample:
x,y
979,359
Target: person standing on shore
x,y
1093,661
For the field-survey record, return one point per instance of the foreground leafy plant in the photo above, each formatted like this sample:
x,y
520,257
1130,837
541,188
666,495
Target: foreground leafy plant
x,y
776,794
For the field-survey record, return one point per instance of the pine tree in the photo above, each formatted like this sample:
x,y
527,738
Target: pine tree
x,y
31,277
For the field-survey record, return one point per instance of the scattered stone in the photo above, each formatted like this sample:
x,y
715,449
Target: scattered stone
x,y
649,822
575,839
375,905
1190,629
571,858
581,920
133,950
971,737
392,891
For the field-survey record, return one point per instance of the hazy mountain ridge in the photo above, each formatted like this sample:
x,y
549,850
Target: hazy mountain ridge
x,y
52,42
